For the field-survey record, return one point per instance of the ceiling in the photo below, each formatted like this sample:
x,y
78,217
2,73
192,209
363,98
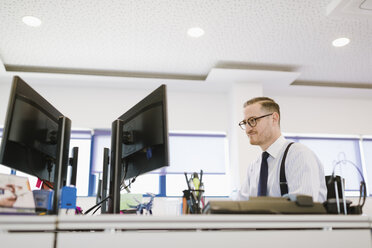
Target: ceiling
x,y
147,39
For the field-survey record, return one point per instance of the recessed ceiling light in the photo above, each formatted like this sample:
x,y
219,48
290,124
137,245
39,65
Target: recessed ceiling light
x,y
195,32
340,42
31,21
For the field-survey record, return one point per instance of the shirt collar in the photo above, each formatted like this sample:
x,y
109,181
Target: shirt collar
x,y
276,147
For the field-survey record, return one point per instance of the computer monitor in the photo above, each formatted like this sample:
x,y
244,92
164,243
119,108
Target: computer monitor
x,y
36,138
139,143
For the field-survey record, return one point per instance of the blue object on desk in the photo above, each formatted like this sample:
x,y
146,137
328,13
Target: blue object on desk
x,y
43,199
68,197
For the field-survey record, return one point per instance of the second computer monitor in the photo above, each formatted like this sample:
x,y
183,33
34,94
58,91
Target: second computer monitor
x,y
139,143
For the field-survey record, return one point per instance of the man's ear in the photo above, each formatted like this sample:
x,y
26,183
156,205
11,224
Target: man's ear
x,y
276,117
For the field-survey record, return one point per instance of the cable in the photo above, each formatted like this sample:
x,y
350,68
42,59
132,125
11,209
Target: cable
x,y
348,161
123,186
125,170
362,189
98,204
47,184
360,5
97,209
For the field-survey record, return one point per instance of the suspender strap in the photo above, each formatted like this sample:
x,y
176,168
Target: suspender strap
x,y
283,181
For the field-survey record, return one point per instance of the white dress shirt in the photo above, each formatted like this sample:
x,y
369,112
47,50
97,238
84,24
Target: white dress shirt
x,y
303,170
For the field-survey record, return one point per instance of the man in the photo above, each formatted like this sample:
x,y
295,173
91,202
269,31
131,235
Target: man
x,y
304,172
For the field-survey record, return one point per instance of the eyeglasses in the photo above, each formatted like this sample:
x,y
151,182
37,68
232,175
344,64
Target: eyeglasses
x,y
252,122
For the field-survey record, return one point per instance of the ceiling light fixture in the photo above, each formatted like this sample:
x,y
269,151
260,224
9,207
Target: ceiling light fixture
x,y
340,42
31,21
195,32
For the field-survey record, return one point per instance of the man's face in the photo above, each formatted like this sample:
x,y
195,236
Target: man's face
x,y
262,133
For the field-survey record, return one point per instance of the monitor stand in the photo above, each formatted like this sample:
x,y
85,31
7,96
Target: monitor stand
x,y
73,161
105,179
60,171
115,166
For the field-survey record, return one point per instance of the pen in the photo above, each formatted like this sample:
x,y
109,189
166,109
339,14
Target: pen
x,y
192,194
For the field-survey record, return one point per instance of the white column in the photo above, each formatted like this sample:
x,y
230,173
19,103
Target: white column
x,y
242,153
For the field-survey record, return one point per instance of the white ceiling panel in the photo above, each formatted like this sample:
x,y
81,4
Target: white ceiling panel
x,y
148,37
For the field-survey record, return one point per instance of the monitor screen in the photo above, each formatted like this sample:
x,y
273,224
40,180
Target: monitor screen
x,y
36,136
139,142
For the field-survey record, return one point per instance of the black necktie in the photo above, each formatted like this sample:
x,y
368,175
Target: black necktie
x,y
262,183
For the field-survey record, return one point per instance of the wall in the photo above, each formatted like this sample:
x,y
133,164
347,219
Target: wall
x,y
97,107
329,115
241,152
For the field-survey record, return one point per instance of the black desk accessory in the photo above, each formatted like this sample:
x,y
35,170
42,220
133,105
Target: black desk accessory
x,y
336,201
294,204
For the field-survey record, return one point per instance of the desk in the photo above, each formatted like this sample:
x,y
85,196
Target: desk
x,y
27,231
204,231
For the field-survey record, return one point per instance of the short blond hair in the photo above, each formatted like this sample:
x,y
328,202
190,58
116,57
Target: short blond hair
x,y
266,104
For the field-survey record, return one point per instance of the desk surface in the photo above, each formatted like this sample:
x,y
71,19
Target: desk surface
x,y
125,222
214,222
27,222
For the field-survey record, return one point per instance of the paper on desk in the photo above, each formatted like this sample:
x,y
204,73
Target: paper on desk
x,y
15,192
130,201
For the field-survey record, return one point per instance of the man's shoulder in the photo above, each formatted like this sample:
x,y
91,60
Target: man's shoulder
x,y
298,148
301,152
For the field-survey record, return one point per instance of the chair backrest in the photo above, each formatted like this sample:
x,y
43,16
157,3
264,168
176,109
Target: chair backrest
x,y
331,192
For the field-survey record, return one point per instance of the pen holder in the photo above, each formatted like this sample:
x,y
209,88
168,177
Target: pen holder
x,y
193,201
193,197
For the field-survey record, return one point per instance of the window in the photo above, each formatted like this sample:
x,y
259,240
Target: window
x,y
148,183
192,152
367,152
341,155
188,152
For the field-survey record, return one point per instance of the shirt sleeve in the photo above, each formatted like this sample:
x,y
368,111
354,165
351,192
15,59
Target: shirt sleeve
x,y
243,193
245,190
